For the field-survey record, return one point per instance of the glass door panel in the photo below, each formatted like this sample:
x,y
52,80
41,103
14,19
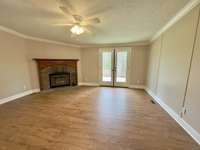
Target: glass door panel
x,y
106,67
121,67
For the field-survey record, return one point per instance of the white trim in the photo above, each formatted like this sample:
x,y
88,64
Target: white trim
x,y
191,4
115,45
128,50
35,91
52,42
13,32
189,129
88,84
16,96
101,51
5,29
142,87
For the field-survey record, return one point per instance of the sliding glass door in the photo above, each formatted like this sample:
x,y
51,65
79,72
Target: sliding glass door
x,y
114,67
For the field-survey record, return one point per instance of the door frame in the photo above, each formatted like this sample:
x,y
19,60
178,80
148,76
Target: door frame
x,y
104,83
127,83
113,82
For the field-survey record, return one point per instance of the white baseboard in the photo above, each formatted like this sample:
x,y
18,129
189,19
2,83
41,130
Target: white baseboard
x,y
88,84
189,129
142,87
16,96
35,91
97,84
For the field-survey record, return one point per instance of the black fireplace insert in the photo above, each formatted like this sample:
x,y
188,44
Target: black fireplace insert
x,y
59,79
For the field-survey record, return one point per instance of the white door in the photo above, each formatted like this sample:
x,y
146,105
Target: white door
x,y
114,67
121,74
106,67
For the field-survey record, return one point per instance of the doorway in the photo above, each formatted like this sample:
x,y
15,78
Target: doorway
x,y
114,67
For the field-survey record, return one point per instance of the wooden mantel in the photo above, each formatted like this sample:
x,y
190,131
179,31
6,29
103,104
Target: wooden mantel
x,y
48,59
44,62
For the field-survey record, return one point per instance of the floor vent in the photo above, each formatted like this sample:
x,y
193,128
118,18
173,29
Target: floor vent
x,y
152,101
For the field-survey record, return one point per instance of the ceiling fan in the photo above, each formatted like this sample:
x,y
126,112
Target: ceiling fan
x,y
80,24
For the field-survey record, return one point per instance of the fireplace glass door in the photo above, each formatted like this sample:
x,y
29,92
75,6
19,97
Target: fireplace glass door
x,y
59,80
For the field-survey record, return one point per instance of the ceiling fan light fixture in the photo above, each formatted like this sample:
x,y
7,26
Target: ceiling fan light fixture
x,y
76,29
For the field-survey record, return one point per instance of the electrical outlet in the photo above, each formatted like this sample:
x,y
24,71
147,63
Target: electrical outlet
x,y
24,87
184,111
138,81
181,114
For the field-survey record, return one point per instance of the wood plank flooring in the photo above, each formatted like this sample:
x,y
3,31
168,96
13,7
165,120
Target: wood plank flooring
x,y
89,118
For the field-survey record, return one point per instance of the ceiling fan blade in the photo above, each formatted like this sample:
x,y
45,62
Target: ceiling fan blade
x,y
74,36
67,4
65,10
93,20
78,18
89,31
90,11
63,24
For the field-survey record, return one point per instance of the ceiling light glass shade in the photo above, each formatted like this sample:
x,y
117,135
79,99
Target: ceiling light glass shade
x,y
76,29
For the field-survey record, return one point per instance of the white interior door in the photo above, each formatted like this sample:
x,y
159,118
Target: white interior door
x,y
106,66
121,74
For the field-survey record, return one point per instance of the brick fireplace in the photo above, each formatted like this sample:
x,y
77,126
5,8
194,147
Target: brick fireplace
x,y
55,73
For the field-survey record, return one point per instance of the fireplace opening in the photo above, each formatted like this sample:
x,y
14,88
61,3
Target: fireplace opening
x,y
59,79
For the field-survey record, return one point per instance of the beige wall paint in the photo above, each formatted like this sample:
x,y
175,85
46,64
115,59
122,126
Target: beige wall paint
x,y
90,65
18,70
153,64
52,51
139,63
176,51
192,104
139,60
177,48
13,65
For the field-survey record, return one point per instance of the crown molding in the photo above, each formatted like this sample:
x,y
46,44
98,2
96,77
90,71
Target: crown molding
x,y
142,43
13,32
177,17
52,42
185,10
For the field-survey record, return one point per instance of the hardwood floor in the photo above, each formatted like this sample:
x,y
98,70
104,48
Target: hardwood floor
x,y
89,118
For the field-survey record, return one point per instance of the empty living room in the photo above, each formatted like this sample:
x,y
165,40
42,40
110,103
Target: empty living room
x,y
99,75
